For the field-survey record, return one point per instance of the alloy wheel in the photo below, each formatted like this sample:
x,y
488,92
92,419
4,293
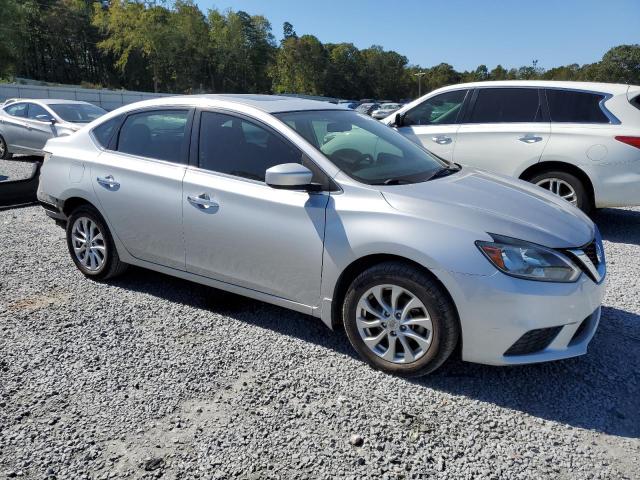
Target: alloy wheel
x,y
394,323
3,148
559,187
88,244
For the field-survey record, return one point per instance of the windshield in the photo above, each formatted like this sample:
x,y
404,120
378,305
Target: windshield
x,y
363,148
77,112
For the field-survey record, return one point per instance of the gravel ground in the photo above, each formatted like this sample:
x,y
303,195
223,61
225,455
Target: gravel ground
x,y
17,169
148,376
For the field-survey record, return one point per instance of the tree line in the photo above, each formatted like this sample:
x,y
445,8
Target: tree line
x,y
175,47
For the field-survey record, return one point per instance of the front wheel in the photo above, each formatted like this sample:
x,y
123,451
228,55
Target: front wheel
x,y
566,186
91,246
400,320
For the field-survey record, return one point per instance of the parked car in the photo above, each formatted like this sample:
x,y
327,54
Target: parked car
x,y
26,125
385,110
579,140
367,108
253,195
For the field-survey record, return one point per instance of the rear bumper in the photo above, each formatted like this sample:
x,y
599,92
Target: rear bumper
x,y
497,311
616,184
52,207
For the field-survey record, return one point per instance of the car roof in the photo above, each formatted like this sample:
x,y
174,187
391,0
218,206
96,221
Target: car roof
x,y
266,103
50,101
612,88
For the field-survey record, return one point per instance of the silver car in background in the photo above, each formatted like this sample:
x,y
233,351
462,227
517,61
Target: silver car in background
x,y
385,110
328,212
26,125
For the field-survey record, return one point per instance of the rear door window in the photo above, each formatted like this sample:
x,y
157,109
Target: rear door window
x,y
507,105
159,134
18,110
103,132
566,106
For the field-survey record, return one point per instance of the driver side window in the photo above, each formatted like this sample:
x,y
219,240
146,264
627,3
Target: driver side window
x,y
36,111
442,109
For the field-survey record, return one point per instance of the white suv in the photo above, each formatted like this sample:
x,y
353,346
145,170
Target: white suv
x,y
579,140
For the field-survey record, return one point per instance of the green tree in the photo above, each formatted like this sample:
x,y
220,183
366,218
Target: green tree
x,y
344,70
300,66
621,64
241,49
384,73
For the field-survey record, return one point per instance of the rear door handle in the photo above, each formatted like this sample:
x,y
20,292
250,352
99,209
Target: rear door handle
x,y
441,139
108,182
530,139
202,201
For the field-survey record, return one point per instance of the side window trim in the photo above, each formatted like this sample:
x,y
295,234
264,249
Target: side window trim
x,y
194,153
542,99
184,155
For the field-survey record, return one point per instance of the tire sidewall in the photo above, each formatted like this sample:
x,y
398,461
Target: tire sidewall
x,y
430,360
95,217
5,155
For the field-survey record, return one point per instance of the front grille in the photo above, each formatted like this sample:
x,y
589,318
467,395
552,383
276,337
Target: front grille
x,y
533,341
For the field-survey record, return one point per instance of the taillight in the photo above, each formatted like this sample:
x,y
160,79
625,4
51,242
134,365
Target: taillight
x,y
633,141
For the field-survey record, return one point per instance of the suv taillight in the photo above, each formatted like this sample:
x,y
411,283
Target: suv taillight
x,y
633,141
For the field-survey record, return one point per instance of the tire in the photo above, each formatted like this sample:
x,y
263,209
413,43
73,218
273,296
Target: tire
x,y
107,262
444,332
4,150
565,181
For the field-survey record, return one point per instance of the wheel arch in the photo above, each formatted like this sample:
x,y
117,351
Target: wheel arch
x,y
361,264
552,165
71,203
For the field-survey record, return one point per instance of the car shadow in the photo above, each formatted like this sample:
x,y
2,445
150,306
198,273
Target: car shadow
x,y
598,391
619,225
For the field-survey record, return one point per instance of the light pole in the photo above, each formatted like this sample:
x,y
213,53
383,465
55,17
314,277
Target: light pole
x,y
419,75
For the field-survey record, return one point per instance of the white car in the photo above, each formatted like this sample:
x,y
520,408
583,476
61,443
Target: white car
x,y
579,140
385,110
325,211
26,125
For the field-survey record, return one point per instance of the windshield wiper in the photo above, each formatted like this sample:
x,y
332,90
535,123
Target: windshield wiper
x,y
446,171
393,181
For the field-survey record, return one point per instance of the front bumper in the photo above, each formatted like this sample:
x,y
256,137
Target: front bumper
x,y
497,311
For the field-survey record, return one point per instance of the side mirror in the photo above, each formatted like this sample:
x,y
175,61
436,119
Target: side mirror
x,y
52,121
399,121
289,176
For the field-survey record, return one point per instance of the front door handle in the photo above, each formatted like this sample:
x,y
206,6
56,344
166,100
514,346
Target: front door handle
x,y
202,201
441,139
530,139
108,182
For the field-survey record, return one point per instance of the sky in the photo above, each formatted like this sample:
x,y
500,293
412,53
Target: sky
x,y
463,33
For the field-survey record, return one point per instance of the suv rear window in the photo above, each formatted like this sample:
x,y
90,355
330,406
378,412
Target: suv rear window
x,y
506,105
567,106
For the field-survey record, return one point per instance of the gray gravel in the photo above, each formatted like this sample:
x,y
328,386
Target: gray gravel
x,y
148,376
18,169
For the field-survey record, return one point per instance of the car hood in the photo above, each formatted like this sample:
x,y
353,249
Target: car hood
x,y
489,203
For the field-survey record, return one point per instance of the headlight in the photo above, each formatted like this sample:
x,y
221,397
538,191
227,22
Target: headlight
x,y
529,261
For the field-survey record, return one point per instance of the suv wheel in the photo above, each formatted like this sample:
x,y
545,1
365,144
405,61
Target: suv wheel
x,y
400,320
565,186
4,150
91,246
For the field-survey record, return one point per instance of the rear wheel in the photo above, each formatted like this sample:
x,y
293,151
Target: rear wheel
x,y
91,246
4,149
566,186
400,320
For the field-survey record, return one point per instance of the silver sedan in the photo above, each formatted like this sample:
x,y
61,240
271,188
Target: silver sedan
x,y
385,110
26,125
328,212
